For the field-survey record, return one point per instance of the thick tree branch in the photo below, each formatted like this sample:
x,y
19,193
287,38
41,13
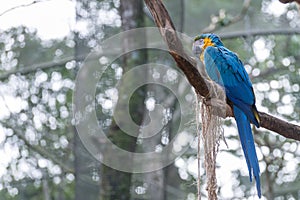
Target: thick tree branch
x,y
202,85
289,1
279,126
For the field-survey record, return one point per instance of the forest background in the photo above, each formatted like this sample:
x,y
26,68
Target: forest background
x,y
43,46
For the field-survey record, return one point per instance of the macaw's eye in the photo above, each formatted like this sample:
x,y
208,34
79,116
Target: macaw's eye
x,y
199,42
197,46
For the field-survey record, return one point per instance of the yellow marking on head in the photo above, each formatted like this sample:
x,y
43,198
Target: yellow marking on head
x,y
207,42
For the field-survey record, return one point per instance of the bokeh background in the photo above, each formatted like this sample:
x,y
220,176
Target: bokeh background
x,y
42,46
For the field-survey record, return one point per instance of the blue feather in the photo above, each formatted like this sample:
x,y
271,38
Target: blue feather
x,y
225,68
247,142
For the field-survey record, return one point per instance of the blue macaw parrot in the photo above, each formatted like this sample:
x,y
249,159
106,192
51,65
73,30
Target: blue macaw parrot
x,y
225,68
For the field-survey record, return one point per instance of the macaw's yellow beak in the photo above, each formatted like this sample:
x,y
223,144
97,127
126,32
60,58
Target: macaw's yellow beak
x,y
198,47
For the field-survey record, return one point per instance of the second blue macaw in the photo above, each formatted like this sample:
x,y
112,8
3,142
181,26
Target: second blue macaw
x,y
225,68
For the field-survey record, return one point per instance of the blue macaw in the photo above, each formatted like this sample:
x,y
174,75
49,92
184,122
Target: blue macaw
x,y
225,68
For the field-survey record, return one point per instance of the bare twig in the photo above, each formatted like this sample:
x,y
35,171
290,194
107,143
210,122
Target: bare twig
x,y
217,25
201,85
22,6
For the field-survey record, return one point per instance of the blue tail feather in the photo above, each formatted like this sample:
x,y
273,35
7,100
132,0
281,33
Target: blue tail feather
x,y
246,108
248,146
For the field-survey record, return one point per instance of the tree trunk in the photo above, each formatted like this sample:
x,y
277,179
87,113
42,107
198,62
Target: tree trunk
x,y
155,180
85,165
116,184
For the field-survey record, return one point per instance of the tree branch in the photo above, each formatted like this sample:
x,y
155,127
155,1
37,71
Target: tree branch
x,y
21,6
269,72
200,84
224,36
33,68
289,1
43,152
41,66
262,32
221,22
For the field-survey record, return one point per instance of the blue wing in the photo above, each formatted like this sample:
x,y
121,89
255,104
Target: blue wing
x,y
225,68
